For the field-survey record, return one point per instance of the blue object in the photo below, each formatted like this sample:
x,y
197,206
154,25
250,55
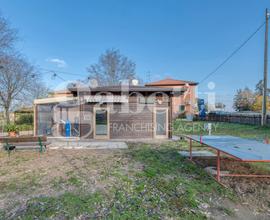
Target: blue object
x,y
201,107
67,128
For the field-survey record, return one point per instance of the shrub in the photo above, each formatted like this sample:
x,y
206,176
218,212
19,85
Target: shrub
x,y
25,127
25,119
11,127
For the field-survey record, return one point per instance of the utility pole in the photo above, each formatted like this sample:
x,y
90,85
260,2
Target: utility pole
x,y
264,101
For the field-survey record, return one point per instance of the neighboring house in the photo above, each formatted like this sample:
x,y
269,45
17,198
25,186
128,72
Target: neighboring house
x,y
61,93
184,104
108,112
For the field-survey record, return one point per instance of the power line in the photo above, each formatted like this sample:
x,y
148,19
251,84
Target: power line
x,y
233,53
56,75
61,72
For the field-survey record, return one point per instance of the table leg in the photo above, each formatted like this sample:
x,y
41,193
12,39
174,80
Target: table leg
x,y
218,166
190,149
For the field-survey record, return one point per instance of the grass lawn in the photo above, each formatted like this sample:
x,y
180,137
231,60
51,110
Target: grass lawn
x,y
221,128
249,190
144,182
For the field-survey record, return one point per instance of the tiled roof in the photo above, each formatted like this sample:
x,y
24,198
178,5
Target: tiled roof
x,y
170,82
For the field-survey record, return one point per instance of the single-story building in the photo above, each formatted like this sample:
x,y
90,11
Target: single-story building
x,y
184,104
108,112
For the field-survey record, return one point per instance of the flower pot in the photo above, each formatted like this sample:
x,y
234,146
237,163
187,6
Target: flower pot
x,y
12,134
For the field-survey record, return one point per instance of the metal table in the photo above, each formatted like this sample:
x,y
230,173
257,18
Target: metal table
x,y
242,150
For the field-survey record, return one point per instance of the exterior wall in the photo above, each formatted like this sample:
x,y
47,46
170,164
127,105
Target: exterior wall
x,y
188,99
86,121
127,125
123,123
63,93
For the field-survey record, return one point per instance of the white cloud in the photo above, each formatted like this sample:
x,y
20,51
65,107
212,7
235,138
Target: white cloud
x,y
58,62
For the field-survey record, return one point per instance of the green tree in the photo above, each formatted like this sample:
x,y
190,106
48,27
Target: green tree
x,y
257,105
244,100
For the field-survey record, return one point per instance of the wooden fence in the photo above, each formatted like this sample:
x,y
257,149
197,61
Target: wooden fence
x,y
241,118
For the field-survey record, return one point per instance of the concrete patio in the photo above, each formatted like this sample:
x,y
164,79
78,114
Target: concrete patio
x,y
76,143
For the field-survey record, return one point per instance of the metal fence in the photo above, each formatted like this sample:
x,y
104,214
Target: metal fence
x,y
241,118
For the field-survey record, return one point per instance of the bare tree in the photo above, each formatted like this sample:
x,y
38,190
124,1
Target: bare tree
x,y
112,68
7,35
19,83
38,91
17,80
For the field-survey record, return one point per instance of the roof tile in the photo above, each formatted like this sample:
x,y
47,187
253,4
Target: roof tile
x,y
169,81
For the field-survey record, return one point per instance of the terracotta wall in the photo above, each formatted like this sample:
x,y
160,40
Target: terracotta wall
x,y
188,99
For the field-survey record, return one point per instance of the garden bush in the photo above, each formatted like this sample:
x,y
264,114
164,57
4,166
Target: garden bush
x,y
25,119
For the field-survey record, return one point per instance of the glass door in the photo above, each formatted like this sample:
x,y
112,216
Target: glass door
x,y
101,123
160,123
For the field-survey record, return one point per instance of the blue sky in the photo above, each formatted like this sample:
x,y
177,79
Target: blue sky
x,y
178,39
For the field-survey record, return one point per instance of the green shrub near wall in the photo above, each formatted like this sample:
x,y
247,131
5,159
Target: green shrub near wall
x,y
11,127
24,122
25,127
25,119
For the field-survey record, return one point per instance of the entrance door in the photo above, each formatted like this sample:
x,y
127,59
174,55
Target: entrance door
x,y
101,123
161,123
